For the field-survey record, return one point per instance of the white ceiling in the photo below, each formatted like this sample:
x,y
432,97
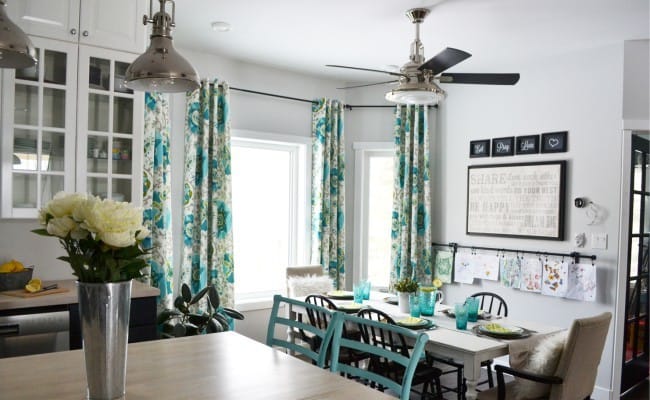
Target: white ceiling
x,y
304,35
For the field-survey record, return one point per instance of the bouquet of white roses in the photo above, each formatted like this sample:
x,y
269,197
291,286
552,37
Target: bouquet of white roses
x,y
103,238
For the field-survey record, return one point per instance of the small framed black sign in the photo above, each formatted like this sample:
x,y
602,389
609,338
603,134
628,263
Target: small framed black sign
x,y
554,142
479,148
503,146
528,144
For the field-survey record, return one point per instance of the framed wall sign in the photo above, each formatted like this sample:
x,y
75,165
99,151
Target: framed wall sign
x,y
503,146
554,142
517,200
528,144
479,148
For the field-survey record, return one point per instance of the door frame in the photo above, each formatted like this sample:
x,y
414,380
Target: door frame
x,y
629,127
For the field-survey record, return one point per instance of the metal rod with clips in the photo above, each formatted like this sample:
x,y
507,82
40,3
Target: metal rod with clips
x,y
575,255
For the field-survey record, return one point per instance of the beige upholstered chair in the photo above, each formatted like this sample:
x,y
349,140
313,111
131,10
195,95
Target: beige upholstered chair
x,y
300,271
575,375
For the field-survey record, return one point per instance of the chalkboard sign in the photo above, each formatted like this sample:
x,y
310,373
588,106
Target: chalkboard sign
x,y
516,200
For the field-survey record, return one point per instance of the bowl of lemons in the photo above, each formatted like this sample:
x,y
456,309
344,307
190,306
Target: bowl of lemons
x,y
14,275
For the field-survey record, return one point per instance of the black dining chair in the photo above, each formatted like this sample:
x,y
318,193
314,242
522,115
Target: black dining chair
x,y
496,306
425,374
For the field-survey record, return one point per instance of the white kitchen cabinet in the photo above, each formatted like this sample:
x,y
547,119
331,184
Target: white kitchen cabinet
x,y
110,121
114,24
38,129
69,124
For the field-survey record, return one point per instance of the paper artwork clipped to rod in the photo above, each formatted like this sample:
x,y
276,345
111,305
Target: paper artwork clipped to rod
x,y
486,266
555,278
464,268
510,271
443,265
531,275
582,282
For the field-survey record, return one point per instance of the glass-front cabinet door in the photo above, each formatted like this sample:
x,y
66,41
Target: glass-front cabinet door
x,y
38,129
109,123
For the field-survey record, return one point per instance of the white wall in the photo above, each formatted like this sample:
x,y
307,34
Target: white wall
x,y
636,80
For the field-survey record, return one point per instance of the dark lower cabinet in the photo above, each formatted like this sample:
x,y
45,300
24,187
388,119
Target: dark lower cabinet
x,y
142,322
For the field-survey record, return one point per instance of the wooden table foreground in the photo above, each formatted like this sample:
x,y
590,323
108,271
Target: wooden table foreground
x,y
225,366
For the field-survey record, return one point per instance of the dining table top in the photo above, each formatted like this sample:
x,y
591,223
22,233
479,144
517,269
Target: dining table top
x,y
225,366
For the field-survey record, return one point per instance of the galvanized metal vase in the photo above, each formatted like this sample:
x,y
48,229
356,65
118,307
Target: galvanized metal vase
x,y
104,312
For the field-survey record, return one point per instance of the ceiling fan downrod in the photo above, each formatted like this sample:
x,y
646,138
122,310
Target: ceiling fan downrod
x,y
417,16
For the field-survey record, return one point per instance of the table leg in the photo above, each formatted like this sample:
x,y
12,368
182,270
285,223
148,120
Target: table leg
x,y
472,372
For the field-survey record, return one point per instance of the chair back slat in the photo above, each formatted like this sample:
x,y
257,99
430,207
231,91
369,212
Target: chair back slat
x,y
380,349
492,303
319,354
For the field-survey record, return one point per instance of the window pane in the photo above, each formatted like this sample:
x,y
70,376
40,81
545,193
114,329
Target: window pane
x,y
52,184
53,151
24,156
54,108
380,204
262,215
24,186
26,105
55,67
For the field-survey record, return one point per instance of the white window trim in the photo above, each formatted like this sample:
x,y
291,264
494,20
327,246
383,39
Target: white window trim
x,y
362,152
300,240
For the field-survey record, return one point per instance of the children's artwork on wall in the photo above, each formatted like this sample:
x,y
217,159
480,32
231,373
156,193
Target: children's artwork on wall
x,y
582,282
531,275
463,268
486,266
510,270
554,278
443,264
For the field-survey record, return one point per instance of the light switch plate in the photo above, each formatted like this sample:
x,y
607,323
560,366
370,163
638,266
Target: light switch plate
x,y
599,241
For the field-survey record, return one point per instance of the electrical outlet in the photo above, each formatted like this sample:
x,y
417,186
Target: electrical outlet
x,y
599,241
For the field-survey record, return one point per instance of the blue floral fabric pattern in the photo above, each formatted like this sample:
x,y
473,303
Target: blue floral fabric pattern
x,y
411,227
328,189
207,257
156,198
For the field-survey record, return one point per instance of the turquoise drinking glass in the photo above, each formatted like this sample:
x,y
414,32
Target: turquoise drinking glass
x,y
472,309
357,292
414,305
366,290
427,301
460,311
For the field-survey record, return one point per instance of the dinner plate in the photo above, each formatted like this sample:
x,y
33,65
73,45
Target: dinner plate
x,y
391,300
349,307
340,295
412,322
481,314
501,330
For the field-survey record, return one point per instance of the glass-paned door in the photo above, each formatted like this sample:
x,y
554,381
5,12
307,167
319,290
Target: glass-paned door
x,y
635,350
38,116
109,127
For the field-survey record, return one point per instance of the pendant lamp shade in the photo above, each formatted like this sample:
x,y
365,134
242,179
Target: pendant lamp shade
x,y
16,50
161,68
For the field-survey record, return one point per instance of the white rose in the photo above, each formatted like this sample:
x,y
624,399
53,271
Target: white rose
x,y
117,239
143,234
63,204
61,227
113,222
83,208
79,233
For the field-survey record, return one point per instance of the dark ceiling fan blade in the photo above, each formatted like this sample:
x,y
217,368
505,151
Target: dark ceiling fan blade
x,y
480,79
444,60
369,84
367,69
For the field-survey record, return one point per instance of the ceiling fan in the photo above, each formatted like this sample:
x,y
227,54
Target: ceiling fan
x,y
416,79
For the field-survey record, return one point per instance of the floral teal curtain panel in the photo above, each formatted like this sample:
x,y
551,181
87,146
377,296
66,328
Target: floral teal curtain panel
x,y
207,256
411,229
156,197
328,189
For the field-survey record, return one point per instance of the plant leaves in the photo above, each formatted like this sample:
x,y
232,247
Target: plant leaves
x,y
198,319
179,330
166,315
233,313
199,295
191,329
213,295
180,304
186,293
214,326
223,321
42,232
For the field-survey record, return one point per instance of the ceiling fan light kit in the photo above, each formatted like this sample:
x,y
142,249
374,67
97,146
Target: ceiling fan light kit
x,y
416,83
16,49
161,68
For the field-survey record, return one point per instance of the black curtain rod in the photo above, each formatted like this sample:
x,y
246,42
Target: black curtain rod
x,y
347,106
575,255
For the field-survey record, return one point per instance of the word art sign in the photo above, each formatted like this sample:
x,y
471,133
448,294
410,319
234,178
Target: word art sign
x,y
517,200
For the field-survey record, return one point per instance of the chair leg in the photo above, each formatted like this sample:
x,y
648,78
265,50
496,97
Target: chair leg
x,y
489,374
459,384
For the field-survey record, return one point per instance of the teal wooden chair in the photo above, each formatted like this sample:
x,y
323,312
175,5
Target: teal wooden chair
x,y
408,360
318,355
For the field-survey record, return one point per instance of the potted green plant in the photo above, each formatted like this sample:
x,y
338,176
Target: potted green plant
x,y
188,320
405,287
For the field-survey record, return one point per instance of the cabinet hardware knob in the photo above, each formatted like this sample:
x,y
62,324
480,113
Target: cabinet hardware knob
x,y
73,31
85,33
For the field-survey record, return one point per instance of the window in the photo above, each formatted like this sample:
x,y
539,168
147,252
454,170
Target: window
x,y
373,208
270,201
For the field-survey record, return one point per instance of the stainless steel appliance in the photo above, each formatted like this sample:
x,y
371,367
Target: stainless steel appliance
x,y
34,332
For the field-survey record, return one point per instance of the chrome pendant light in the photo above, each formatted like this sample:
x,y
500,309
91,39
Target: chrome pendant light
x,y
161,68
16,50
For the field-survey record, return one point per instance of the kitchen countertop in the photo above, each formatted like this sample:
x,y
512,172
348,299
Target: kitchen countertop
x,y
139,289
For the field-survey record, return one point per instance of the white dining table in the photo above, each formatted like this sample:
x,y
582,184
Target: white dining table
x,y
464,346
